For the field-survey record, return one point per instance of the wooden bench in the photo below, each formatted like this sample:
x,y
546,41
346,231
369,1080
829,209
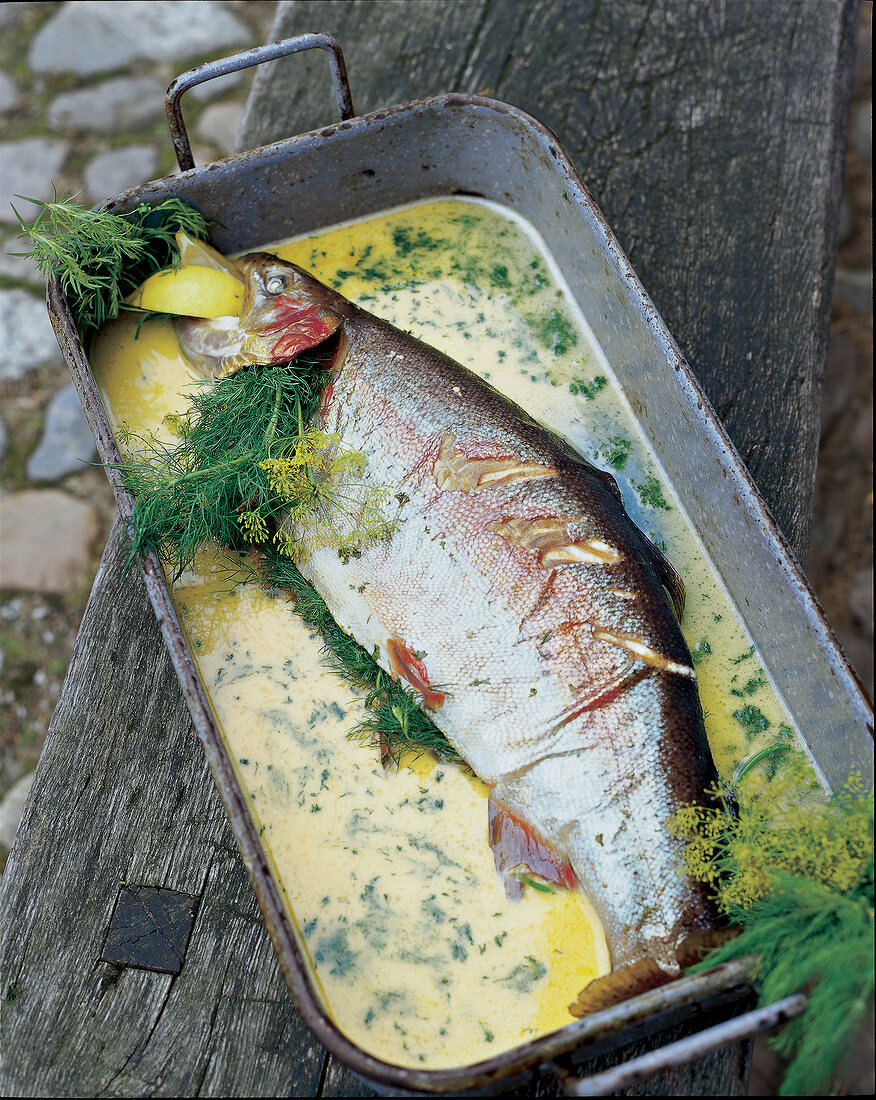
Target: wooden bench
x,y
712,136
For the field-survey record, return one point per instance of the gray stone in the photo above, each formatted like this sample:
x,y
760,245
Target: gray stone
x,y
860,600
840,376
27,339
93,37
109,108
212,89
10,13
11,809
862,129
18,267
8,93
4,440
67,443
846,230
119,169
854,288
45,540
10,612
219,124
26,168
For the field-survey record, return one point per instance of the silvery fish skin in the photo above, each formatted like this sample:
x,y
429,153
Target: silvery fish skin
x,y
521,600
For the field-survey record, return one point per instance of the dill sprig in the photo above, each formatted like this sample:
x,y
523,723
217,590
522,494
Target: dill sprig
x,y
397,724
211,484
327,507
798,879
249,466
100,257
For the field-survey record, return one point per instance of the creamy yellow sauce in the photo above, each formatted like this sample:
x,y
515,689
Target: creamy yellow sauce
x,y
388,875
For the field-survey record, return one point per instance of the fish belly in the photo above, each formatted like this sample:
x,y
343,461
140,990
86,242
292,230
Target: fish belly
x,y
521,594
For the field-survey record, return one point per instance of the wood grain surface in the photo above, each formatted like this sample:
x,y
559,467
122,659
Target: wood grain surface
x,y
711,135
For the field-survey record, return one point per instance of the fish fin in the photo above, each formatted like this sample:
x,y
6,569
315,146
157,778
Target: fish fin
x,y
408,666
600,695
701,941
621,984
548,537
454,471
670,580
639,649
517,848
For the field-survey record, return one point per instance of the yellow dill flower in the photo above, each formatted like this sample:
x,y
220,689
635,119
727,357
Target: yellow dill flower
x,y
318,456
782,829
253,527
290,547
177,425
328,507
285,476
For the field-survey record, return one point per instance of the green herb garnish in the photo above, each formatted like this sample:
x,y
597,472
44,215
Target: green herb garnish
x,y
588,390
799,881
651,494
100,258
700,652
247,467
752,719
618,451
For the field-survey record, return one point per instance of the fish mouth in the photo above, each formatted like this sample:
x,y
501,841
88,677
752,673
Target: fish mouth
x,y
285,312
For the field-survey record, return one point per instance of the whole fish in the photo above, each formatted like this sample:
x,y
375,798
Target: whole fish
x,y
517,597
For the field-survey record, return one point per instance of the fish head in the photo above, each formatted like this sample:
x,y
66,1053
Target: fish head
x,y
285,311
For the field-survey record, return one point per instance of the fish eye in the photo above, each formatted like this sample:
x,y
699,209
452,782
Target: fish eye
x,y
275,284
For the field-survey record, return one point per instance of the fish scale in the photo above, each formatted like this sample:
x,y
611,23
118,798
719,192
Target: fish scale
x,y
533,607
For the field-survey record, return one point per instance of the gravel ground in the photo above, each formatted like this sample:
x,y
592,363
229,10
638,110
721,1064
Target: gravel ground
x,y
81,105
83,131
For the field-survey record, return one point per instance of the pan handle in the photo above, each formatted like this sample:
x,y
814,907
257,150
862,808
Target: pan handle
x,y
683,1050
272,52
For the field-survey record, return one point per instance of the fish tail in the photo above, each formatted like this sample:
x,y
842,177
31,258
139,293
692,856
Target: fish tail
x,y
621,984
643,975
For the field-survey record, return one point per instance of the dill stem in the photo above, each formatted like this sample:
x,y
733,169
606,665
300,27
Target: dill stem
x,y
275,415
193,475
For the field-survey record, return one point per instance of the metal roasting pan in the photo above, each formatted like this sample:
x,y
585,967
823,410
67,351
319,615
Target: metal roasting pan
x,y
466,144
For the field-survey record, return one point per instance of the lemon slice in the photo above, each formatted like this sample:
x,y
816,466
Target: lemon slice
x,y
191,291
200,254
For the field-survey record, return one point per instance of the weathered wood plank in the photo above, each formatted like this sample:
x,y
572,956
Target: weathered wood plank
x,y
123,794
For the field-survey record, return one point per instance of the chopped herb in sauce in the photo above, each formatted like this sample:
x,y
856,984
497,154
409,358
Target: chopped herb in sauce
x,y
700,652
751,686
618,451
524,976
588,390
752,720
651,494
